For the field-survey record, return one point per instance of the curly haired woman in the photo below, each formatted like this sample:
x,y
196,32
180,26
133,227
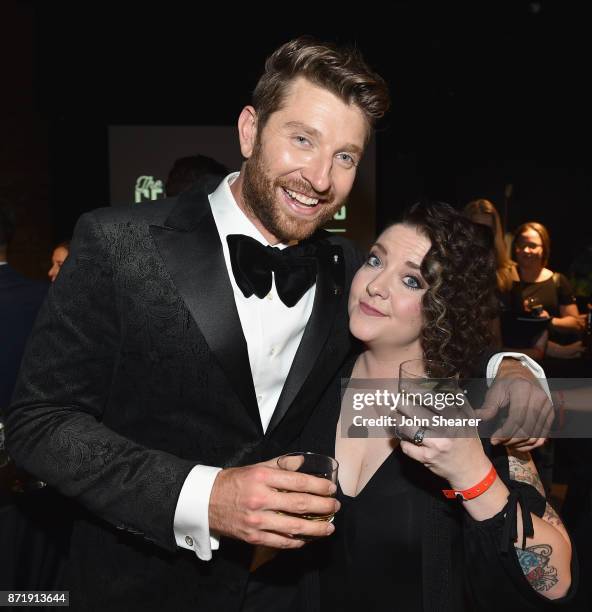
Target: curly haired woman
x,y
426,292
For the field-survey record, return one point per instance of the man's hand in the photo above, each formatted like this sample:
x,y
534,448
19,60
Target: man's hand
x,y
530,411
246,502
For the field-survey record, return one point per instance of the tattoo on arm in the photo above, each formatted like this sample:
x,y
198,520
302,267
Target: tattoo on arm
x,y
522,469
534,561
551,516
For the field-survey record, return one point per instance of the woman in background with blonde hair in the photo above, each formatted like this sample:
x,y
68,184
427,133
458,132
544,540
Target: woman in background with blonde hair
x,y
484,212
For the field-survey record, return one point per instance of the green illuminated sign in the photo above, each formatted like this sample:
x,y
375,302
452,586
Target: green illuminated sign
x,y
148,188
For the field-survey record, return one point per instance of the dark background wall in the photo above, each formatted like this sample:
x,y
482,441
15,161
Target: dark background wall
x,y
24,142
484,95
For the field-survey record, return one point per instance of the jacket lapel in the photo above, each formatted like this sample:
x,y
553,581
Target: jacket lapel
x,y
329,290
190,247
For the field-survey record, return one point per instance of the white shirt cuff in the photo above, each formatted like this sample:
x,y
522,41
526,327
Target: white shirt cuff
x,y
531,364
191,525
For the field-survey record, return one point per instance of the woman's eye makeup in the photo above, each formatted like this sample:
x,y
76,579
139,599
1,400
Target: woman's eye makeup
x,y
373,260
412,281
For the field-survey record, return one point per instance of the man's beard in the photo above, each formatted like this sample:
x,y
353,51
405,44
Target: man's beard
x,y
260,193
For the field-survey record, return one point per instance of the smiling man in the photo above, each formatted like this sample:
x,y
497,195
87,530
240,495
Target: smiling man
x,y
177,358
301,163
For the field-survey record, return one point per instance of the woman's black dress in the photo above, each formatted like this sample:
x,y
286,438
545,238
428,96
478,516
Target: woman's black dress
x,y
401,546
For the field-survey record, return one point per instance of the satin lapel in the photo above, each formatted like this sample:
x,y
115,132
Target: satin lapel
x,y
191,250
329,290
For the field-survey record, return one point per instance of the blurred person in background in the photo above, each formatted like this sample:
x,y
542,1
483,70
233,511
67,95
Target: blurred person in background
x,y
551,290
503,330
33,526
484,212
58,257
187,170
20,299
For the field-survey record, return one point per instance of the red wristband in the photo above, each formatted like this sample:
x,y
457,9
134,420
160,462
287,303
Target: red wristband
x,y
475,491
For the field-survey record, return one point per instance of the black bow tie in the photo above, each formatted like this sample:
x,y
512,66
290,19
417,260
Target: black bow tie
x,y
295,268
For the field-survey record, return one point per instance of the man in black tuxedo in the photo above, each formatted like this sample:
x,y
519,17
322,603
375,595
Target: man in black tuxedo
x,y
166,351
152,367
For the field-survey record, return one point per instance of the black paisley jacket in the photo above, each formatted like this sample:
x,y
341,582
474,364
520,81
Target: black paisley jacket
x,y
136,371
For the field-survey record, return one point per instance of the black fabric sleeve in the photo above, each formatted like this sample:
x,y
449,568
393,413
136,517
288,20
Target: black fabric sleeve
x,y
54,425
494,577
565,293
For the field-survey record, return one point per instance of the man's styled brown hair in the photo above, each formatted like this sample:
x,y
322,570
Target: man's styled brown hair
x,y
341,70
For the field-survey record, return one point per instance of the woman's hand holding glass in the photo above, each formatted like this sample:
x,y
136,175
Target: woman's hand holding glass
x,y
452,451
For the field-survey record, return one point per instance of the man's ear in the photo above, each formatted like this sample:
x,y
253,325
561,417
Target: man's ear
x,y
247,130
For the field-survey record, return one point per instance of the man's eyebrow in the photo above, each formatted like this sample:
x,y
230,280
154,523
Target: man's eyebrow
x,y
352,148
413,265
380,247
307,129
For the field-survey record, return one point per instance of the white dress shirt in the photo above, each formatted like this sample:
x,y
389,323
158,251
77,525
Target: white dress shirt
x,y
494,363
273,333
